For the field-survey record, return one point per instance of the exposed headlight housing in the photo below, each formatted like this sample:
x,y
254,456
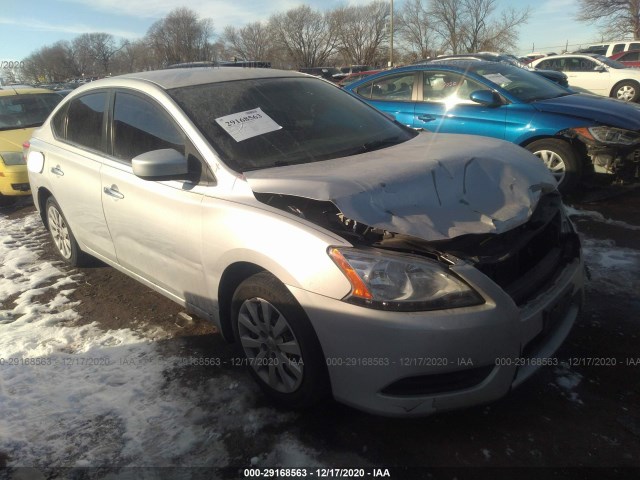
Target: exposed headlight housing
x,y
12,158
609,135
394,281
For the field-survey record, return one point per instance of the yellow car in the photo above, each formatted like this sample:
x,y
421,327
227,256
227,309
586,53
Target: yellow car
x,y
21,111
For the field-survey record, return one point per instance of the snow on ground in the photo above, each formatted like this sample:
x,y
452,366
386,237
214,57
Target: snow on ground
x,y
599,217
74,396
612,269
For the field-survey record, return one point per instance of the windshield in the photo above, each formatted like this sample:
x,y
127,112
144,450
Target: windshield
x,y
26,110
522,84
610,63
264,123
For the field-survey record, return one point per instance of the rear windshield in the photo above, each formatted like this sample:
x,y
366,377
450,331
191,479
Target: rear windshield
x,y
26,110
263,123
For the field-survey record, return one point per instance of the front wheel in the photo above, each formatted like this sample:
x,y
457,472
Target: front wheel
x,y
561,159
62,237
627,91
278,343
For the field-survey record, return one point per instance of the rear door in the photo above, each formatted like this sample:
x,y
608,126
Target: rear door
x,y
393,94
74,171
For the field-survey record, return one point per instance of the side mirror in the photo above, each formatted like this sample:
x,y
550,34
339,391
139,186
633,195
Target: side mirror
x,y
160,163
601,69
487,98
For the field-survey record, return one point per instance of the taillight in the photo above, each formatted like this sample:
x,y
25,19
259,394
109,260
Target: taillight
x,y
25,150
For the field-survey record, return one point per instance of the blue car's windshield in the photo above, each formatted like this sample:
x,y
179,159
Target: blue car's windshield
x,y
524,85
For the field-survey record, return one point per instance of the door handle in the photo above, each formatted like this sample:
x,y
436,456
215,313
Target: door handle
x,y
113,191
426,118
57,171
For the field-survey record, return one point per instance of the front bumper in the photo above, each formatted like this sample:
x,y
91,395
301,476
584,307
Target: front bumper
x,y
415,364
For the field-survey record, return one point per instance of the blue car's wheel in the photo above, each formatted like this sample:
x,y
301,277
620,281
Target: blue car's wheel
x,y
561,159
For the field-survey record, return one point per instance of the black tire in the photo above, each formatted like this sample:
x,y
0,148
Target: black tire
x,y
63,239
297,378
627,91
562,160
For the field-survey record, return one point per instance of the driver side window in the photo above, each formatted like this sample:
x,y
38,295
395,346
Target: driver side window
x,y
448,87
140,126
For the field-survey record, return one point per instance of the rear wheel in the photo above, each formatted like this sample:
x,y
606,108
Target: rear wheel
x,y
62,236
561,159
627,91
278,342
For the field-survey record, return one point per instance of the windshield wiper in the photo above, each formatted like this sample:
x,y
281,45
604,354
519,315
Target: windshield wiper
x,y
379,144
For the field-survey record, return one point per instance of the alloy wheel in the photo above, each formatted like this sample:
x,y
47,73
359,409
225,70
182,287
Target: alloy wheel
x,y
553,162
270,345
59,232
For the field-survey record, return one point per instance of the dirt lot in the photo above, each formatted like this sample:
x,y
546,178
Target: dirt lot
x,y
580,417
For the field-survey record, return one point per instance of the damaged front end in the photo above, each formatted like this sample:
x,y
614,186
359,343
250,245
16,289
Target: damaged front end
x,y
395,271
614,151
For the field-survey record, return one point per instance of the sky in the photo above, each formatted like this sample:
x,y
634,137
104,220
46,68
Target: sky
x,y
26,27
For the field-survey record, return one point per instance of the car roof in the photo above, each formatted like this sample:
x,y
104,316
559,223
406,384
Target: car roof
x,y
184,77
8,91
453,63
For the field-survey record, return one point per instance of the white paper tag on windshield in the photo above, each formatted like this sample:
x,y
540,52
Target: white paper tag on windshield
x,y
248,124
497,78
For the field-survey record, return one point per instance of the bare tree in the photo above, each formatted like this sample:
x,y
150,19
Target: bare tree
x,y
97,48
252,42
416,30
470,26
448,22
181,37
308,36
481,32
134,56
616,18
50,64
361,30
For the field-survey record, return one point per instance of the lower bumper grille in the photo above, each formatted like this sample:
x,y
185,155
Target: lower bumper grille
x,y
438,383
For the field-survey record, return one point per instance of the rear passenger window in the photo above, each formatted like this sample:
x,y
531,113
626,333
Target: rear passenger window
x,y
391,88
140,126
618,47
84,120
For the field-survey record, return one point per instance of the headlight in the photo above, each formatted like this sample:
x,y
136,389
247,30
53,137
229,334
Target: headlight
x,y
12,158
391,281
609,135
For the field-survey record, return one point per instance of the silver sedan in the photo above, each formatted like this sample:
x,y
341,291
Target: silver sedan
x,y
402,273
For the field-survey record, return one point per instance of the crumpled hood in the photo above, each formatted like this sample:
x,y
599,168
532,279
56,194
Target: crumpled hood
x,y
598,109
435,186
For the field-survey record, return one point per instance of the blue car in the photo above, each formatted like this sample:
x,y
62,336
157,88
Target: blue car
x,y
573,133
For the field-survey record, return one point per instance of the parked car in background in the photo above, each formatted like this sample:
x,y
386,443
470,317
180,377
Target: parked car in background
x,y
572,133
335,246
533,56
350,70
328,73
553,75
596,74
630,58
610,48
354,77
21,111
